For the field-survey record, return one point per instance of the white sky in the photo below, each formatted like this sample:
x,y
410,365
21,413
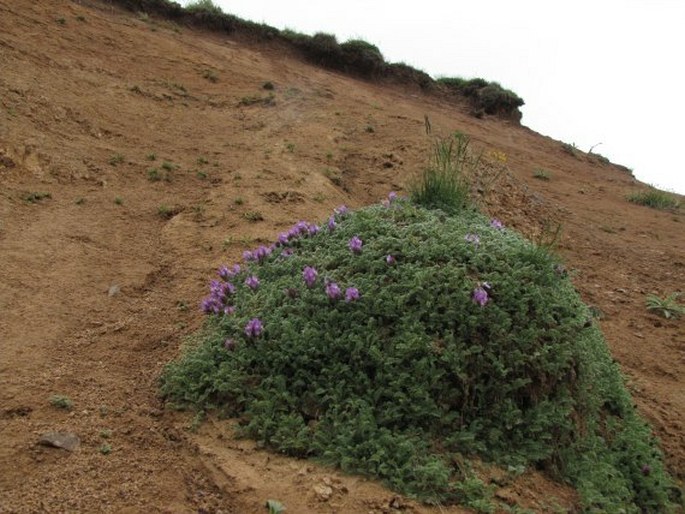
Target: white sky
x,y
602,71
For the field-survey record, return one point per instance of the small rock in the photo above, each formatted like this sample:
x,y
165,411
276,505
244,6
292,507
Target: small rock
x,y
324,492
65,440
113,290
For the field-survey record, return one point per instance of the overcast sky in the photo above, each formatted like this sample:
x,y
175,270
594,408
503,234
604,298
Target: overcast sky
x,y
602,71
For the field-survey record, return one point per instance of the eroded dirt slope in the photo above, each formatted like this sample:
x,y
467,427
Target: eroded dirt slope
x,y
136,156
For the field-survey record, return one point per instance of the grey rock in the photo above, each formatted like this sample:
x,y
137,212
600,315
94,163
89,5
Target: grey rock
x,y
65,440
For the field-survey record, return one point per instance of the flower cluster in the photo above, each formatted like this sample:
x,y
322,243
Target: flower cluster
x,y
309,275
252,282
333,291
392,196
258,255
298,230
254,328
472,238
222,290
480,293
217,301
496,224
355,244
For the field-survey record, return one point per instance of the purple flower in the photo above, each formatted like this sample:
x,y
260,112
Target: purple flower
x,y
261,253
480,296
229,344
283,238
211,305
228,310
287,252
333,291
309,275
252,282
224,272
313,229
355,244
646,470
227,289
392,196
331,223
472,238
351,294
254,328
341,211
385,203
496,224
390,260
248,256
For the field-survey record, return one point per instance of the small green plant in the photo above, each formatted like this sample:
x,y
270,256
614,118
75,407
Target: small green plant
x,y
275,507
105,449
210,75
80,200
36,196
167,166
253,216
269,86
61,402
256,99
201,175
541,174
151,156
153,175
201,161
105,433
570,149
329,156
654,198
290,147
166,212
116,159
238,200
369,129
319,198
446,182
118,200
61,21
667,307
334,176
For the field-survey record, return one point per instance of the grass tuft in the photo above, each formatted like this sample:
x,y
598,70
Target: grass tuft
x,y
655,199
445,183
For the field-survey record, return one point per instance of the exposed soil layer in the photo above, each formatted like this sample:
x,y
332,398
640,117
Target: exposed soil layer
x,y
136,156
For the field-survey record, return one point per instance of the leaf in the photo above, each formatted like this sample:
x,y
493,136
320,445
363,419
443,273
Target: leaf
x,y
275,507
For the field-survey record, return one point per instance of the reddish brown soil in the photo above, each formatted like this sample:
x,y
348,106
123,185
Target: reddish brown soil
x,y
81,84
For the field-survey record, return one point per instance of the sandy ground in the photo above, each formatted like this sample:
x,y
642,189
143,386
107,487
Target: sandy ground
x,y
100,281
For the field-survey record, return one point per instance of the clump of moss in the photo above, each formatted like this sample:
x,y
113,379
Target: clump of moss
x,y
396,341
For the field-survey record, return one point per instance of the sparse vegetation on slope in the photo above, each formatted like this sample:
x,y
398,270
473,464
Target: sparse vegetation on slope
x,y
356,56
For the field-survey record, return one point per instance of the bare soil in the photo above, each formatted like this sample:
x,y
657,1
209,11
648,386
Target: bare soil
x,y
100,281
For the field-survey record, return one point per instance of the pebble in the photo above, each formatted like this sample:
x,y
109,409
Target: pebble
x,y
113,290
65,440
324,492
